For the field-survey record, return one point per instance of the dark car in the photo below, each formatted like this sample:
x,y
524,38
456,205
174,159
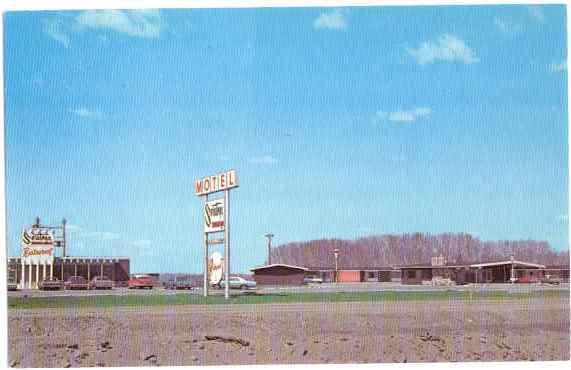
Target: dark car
x,y
51,284
179,284
77,282
101,282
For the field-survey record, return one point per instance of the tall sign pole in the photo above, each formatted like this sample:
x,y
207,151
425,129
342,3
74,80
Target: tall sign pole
x,y
205,239
227,243
216,218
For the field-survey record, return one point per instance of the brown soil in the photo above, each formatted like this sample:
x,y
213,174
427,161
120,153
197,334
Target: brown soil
x,y
416,331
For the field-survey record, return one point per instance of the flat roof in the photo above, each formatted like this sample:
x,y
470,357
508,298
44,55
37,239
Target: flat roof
x,y
509,262
72,258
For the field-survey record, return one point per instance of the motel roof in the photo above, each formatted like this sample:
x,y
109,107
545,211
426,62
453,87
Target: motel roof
x,y
278,265
508,262
352,268
474,265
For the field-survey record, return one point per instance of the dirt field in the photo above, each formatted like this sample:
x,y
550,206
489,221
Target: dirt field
x,y
408,331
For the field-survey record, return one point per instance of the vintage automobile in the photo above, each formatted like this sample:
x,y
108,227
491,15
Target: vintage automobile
x,y
77,282
237,282
179,284
12,286
101,282
550,280
312,280
50,284
141,282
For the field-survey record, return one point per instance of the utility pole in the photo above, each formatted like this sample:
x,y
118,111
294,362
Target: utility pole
x,y
63,223
336,254
269,236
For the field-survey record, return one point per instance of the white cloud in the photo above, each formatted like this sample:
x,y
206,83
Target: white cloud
x,y
508,27
141,243
137,23
447,48
404,116
563,218
266,159
54,29
536,13
99,235
83,112
558,67
334,20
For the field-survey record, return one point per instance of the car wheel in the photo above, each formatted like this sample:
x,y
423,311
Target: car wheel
x,y
242,287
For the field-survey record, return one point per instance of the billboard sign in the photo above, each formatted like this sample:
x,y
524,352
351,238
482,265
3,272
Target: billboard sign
x,y
37,246
211,184
214,216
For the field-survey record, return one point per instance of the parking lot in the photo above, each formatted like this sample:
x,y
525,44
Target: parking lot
x,y
311,288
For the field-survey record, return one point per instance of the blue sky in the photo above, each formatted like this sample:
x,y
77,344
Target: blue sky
x,y
341,122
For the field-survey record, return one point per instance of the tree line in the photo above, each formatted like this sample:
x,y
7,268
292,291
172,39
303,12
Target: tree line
x,y
407,249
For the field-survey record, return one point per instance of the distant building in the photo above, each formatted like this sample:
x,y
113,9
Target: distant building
x,y
355,275
27,276
481,272
279,274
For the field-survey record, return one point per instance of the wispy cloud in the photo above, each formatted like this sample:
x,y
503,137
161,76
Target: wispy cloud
x,y
404,116
138,23
146,23
99,235
558,67
83,112
266,159
333,20
54,28
508,27
447,48
141,243
536,12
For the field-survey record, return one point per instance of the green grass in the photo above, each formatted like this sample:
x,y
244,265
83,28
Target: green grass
x,y
188,299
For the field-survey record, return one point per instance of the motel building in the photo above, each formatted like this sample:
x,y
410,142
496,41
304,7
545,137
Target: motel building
x,y
38,262
500,271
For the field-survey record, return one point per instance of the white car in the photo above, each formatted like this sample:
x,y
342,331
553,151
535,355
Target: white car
x,y
237,282
312,280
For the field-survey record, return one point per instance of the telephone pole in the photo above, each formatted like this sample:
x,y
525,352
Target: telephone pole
x,y
269,236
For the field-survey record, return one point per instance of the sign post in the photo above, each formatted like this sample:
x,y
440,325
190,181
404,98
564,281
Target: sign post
x,y
216,214
227,244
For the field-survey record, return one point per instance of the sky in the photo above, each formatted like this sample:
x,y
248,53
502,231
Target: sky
x,y
340,122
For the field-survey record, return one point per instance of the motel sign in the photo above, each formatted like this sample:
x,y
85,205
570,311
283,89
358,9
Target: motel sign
x,y
215,183
216,218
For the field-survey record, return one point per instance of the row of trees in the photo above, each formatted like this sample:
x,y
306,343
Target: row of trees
x,y
405,249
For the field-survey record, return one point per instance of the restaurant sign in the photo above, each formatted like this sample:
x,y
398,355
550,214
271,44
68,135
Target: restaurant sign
x,y
37,246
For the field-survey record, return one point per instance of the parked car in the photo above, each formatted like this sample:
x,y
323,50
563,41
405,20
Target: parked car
x,y
51,284
237,282
101,282
551,280
179,284
312,280
76,282
141,282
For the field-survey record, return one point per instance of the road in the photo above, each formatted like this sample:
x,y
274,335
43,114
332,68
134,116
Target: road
x,y
314,288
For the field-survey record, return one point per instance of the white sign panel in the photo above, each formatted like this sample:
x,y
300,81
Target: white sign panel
x,y
37,246
218,182
214,216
